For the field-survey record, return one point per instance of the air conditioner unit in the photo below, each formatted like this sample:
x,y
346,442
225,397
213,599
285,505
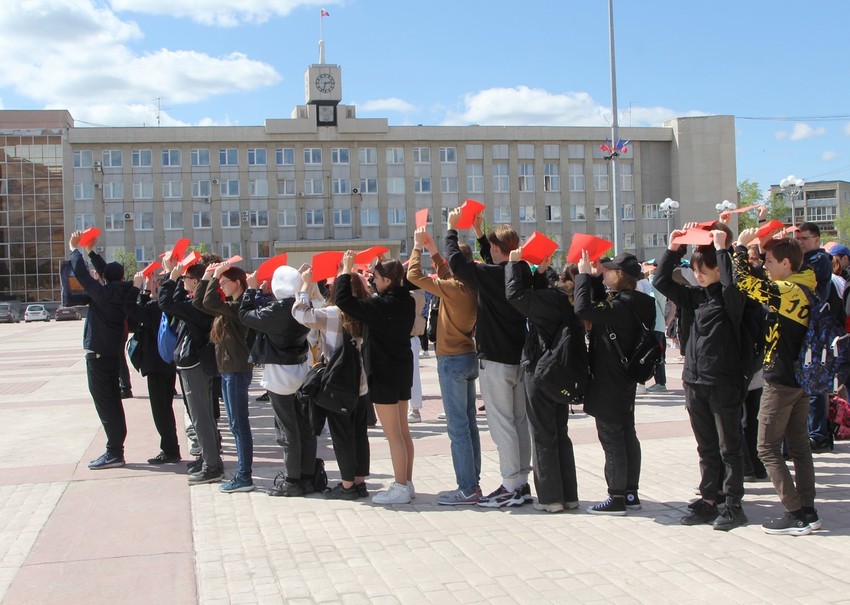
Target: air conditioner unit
x,y
128,216
98,185
99,249
300,194
205,199
355,191
215,181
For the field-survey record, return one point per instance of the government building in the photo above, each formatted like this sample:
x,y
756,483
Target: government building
x,y
324,179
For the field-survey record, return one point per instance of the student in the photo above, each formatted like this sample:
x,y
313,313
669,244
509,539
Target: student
x,y
610,396
387,321
231,354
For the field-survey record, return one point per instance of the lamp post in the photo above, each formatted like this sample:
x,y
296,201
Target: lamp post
x,y
668,209
792,188
724,206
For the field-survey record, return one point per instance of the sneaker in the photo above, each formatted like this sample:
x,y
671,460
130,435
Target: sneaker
x,y
398,493
812,518
307,486
411,489
632,501
701,512
424,354
657,388
195,466
555,507
195,449
819,447
756,478
457,497
163,458
730,517
237,484
286,489
338,492
525,492
641,389
263,397
107,460
207,475
362,490
414,417
441,416
572,505
611,506
788,524
498,499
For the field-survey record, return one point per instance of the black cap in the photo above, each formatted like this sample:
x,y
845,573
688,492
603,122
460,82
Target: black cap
x,y
627,263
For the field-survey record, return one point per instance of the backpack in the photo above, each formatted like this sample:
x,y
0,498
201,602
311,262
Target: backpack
x,y
166,339
73,293
334,385
565,363
824,354
752,339
320,477
641,363
839,417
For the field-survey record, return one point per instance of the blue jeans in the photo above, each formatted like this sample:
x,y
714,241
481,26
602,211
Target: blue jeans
x,y
234,389
818,418
457,374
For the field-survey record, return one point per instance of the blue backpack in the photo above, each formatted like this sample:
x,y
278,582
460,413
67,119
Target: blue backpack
x,y
825,354
166,339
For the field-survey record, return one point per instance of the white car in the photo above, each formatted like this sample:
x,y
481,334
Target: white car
x,y
36,313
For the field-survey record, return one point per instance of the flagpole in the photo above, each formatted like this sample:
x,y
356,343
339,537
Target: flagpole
x,y
615,209
322,35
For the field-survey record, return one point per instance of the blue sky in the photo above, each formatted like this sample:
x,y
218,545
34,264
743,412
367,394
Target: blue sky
x,y
227,62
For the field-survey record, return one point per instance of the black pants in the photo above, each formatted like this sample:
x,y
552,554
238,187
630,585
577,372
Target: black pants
x,y
161,391
124,375
295,435
102,372
752,403
351,441
715,413
661,368
554,459
622,455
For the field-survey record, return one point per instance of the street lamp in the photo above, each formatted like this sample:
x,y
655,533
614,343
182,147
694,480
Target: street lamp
x,y
668,209
724,206
792,188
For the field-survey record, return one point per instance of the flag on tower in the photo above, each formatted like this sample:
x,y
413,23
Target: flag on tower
x,y
325,13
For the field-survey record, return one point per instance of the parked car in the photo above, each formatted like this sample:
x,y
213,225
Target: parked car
x,y
36,313
9,313
67,313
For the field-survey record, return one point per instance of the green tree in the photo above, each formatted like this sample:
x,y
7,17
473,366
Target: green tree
x,y
842,223
128,260
749,193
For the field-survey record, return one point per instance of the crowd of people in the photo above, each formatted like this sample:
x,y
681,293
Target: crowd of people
x,y
741,307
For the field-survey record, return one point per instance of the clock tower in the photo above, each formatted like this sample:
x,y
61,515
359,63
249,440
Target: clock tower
x,y
323,89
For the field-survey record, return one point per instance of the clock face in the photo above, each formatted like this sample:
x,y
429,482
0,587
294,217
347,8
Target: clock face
x,y
325,83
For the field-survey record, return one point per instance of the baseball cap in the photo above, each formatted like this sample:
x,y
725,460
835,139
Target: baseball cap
x,y
625,262
839,250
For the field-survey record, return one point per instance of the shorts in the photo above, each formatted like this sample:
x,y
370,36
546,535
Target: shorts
x,y
388,394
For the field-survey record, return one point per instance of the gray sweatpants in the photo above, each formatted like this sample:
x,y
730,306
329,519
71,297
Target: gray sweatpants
x,y
198,390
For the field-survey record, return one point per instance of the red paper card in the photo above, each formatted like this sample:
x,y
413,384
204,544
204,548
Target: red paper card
x,y
707,225
180,247
88,236
537,247
791,229
369,254
744,209
421,218
234,259
595,246
326,265
694,236
765,229
468,211
190,259
147,271
265,272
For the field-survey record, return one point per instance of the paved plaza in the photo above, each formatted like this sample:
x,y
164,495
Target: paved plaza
x,y
139,534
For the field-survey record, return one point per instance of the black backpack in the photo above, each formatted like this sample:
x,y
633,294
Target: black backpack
x,y
641,363
334,385
565,363
320,477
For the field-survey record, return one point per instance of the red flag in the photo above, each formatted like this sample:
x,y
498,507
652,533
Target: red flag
x,y
325,13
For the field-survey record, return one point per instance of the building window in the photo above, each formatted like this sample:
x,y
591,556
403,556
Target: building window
x,y
312,155
314,217
113,190
230,219
500,177
142,190
228,157
258,188
551,177
551,152
313,186
527,214
83,159
475,178
111,158
142,158
261,250
421,155
395,185
654,240
286,187
448,155
627,179
258,218
172,189
368,185
229,188
200,157
201,188
202,219
395,216
339,155
448,184
395,155
342,217
500,152
84,191
575,151
553,214
652,211
229,249
821,213
475,152
577,213
576,176
629,241
341,186
83,221
144,254
602,213
284,156
172,220
628,212
369,217
114,221
287,217
144,221
257,156
171,157
502,214
422,184
367,155
600,177
526,177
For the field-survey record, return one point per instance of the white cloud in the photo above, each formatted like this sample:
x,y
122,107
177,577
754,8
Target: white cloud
x,y
847,129
800,132
524,106
76,55
391,104
828,155
221,13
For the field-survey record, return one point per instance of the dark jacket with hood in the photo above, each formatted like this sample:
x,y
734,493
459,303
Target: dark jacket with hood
x,y
146,314
232,353
280,340
193,328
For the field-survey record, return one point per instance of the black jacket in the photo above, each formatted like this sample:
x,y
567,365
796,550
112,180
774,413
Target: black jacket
x,y
387,323
500,329
280,340
105,329
193,331
146,314
610,395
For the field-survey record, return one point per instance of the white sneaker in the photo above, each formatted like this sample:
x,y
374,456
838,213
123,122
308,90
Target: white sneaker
x,y
555,507
424,354
411,489
397,494
414,417
441,416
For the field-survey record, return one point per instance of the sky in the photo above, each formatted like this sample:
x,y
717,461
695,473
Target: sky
x,y
778,66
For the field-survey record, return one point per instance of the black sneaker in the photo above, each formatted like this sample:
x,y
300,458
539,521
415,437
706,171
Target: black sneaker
x,y
362,491
207,475
819,447
107,460
338,492
126,394
195,466
730,517
286,489
263,397
788,524
525,492
701,512
812,518
163,458
632,501
612,506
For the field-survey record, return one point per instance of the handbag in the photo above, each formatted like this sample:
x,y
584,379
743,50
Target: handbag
x,y
134,351
640,365
73,292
